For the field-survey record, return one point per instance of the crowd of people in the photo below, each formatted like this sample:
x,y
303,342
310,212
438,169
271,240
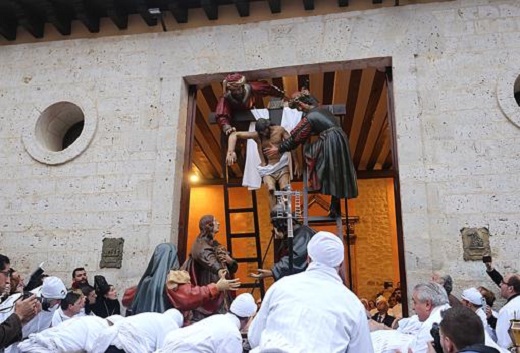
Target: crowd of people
x,y
184,309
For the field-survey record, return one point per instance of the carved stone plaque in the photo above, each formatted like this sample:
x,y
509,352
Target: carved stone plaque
x,y
475,242
112,253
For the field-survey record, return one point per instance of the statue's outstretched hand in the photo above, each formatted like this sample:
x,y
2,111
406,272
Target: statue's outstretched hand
x,y
228,129
261,273
228,284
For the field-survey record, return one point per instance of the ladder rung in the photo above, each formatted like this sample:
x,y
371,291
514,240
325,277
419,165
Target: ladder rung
x,y
241,210
250,285
231,184
242,235
246,259
313,191
323,220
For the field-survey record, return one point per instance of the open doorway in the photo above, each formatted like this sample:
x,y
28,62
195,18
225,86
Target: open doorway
x,y
364,88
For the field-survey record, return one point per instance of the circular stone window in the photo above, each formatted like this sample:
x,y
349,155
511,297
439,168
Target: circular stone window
x,y
508,94
59,134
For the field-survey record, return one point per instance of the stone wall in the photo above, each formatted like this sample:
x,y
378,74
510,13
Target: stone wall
x,y
458,152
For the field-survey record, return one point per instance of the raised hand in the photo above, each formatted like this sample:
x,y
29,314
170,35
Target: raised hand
x,y
28,308
261,273
228,284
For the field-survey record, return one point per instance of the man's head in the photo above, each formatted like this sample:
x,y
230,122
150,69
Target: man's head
x,y
89,293
444,280
243,307
5,274
426,297
326,249
208,225
460,327
52,291
234,83
471,298
79,276
382,305
510,285
72,303
262,127
302,100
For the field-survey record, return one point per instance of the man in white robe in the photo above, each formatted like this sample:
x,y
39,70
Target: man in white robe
x,y
312,311
78,334
217,333
141,333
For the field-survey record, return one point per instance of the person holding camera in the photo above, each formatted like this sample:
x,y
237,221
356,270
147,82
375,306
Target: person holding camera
x,y
509,290
24,310
460,330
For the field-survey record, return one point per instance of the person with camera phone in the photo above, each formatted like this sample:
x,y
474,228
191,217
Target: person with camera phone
x,y
460,330
509,290
24,309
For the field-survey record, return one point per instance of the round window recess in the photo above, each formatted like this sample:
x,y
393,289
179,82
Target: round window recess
x,y
59,134
508,95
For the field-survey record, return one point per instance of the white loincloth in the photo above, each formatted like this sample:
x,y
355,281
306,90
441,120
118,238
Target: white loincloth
x,y
252,178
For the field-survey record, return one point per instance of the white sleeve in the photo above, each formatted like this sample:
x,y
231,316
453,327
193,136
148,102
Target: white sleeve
x,y
360,340
503,338
56,318
259,322
232,344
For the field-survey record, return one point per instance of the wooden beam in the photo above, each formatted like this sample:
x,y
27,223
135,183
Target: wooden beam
x,y
328,87
58,16
210,8
378,146
28,18
242,7
275,6
375,174
373,100
308,4
179,11
211,147
303,80
353,91
144,11
85,14
117,13
8,23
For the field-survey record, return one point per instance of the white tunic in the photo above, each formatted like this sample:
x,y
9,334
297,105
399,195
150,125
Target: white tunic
x,y
141,333
507,313
311,312
75,335
215,334
422,337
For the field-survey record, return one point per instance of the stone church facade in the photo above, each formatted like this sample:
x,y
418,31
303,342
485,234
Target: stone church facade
x,y
455,69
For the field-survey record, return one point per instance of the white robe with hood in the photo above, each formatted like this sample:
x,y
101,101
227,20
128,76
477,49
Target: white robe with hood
x,y
141,333
311,311
215,334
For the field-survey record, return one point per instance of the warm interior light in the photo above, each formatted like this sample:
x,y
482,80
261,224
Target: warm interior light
x,y
194,178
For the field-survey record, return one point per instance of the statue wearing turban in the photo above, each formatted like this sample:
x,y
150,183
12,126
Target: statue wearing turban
x,y
241,95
